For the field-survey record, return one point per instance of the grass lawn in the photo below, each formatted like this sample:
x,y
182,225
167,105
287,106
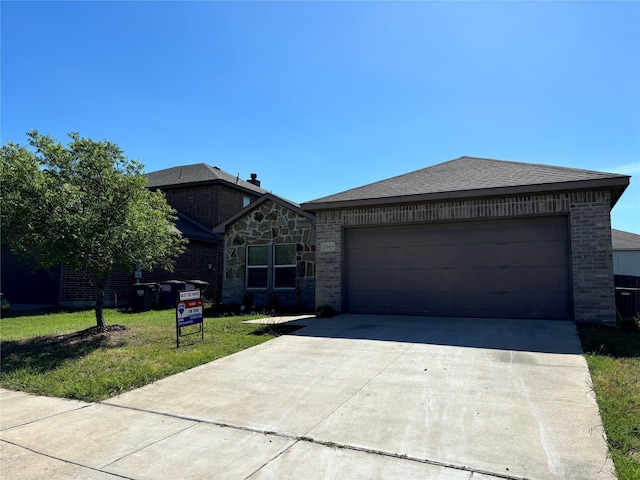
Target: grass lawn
x,y
614,362
54,355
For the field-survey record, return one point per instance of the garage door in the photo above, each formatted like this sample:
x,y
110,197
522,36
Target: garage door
x,y
516,268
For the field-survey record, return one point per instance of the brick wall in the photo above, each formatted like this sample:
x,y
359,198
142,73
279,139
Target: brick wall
x,y
209,204
591,257
270,223
592,271
77,290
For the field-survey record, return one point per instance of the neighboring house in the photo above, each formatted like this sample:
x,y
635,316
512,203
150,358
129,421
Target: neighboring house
x,y
269,257
76,289
471,237
204,197
626,253
22,284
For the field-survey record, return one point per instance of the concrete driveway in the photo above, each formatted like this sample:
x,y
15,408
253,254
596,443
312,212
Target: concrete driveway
x,y
353,397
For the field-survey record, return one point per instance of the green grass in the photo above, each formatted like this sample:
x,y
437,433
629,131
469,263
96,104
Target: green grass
x,y
53,355
614,362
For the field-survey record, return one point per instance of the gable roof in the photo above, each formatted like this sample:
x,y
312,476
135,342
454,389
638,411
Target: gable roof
x,y
467,177
621,240
222,227
194,231
187,175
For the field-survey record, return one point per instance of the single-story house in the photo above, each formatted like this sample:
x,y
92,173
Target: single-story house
x,y
269,255
626,253
471,237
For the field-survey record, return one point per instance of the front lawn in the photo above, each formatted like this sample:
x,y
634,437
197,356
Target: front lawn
x,y
56,355
614,362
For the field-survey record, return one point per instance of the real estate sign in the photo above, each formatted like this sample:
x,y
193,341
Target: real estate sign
x,y
189,312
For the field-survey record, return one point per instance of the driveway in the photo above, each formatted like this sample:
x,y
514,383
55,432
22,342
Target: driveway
x,y
356,396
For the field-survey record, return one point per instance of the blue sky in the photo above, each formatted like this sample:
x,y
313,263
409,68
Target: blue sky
x,y
319,97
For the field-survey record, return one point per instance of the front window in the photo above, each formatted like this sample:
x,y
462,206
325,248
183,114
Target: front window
x,y
284,266
246,200
257,266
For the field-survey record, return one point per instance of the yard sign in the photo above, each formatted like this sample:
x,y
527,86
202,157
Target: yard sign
x,y
189,312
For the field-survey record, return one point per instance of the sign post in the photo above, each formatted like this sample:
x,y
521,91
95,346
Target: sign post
x,y
189,312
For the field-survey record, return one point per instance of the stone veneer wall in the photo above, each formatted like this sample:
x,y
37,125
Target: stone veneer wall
x,y
270,223
590,234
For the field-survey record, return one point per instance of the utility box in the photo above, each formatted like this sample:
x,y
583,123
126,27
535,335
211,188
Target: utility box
x,y
145,296
627,302
169,293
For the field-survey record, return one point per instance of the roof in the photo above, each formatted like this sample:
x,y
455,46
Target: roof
x,y
197,173
194,231
621,240
467,177
222,227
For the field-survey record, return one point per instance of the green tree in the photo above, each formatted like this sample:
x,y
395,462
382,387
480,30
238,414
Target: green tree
x,y
84,206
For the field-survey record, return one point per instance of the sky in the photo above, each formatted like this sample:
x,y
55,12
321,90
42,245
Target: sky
x,y
320,97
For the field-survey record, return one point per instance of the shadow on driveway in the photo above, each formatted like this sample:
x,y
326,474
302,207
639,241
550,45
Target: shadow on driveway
x,y
544,336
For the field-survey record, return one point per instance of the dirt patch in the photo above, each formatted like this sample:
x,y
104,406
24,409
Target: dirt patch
x,y
277,329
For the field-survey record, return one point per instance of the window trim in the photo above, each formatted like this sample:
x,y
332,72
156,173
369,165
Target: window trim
x,y
271,267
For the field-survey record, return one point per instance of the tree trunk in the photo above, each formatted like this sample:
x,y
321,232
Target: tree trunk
x,y
100,282
100,306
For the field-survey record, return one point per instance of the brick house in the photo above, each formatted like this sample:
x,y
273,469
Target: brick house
x,y
203,196
471,237
269,257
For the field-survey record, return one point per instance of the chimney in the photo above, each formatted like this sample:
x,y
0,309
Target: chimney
x,y
254,180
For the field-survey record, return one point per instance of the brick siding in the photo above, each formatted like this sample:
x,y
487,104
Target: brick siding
x,y
208,205
77,290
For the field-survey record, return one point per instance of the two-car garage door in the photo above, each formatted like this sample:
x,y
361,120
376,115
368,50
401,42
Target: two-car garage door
x,y
515,268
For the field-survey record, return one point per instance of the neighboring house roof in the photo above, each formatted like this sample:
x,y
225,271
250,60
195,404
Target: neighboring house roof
x,y
222,228
467,177
192,230
621,240
197,173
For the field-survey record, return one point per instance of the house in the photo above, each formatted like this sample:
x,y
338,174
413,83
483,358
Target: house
x,y
204,196
626,253
471,237
626,272
269,257
22,284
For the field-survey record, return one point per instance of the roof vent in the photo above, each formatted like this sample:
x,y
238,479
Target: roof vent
x,y
254,180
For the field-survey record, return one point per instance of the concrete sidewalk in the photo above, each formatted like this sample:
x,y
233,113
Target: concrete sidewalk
x,y
350,397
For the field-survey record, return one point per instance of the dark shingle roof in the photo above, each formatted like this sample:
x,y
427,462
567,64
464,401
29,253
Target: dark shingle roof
x,y
194,231
196,173
621,240
471,177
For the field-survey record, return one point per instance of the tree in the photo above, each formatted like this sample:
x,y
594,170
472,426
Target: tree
x,y
84,206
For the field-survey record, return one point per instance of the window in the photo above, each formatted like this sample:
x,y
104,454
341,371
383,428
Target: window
x,y
284,266
246,200
271,266
257,266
